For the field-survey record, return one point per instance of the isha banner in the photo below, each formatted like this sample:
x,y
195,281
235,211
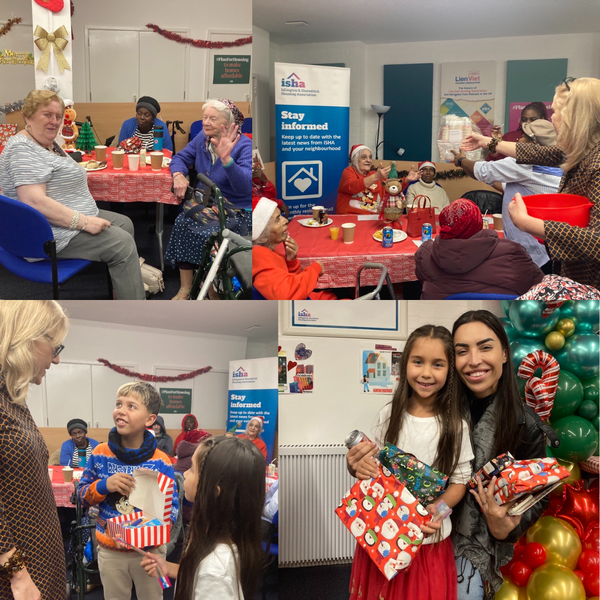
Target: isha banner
x,y
253,393
312,117
468,90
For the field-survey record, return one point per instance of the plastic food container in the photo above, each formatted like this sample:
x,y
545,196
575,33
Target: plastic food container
x,y
566,208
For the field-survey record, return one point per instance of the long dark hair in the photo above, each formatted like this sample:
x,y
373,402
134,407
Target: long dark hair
x,y
509,406
227,509
447,405
540,109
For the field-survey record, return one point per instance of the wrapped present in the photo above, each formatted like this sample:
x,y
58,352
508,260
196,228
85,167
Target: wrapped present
x,y
385,518
131,145
491,469
150,525
7,130
424,482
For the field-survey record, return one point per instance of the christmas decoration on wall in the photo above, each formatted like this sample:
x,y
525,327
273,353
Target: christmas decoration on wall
x,y
52,5
451,174
8,57
175,37
11,107
57,40
6,28
153,378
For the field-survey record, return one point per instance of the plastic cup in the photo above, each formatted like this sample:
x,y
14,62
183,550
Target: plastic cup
x,y
348,230
100,153
134,162
118,158
334,232
50,473
67,474
497,221
315,210
156,159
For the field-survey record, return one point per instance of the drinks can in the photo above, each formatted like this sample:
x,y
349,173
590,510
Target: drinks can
x,y
322,216
355,437
426,234
387,237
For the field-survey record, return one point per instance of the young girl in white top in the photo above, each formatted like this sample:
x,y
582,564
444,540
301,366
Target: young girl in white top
x,y
423,419
222,556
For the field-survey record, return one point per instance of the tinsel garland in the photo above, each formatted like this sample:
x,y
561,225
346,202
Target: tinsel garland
x,y
153,378
452,174
6,28
11,107
175,37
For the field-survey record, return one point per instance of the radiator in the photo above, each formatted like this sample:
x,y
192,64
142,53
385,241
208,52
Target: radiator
x,y
313,480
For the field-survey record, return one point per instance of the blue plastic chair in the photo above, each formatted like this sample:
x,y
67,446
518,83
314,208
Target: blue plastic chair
x,y
247,125
24,231
475,296
195,129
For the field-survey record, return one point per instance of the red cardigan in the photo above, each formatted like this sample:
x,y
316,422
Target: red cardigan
x,y
277,279
257,442
350,193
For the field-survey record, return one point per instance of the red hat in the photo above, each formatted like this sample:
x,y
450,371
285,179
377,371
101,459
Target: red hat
x,y
460,219
261,419
196,436
262,210
357,148
427,163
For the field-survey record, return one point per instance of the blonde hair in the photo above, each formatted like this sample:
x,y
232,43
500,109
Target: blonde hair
x,y
37,98
144,392
223,108
23,325
580,119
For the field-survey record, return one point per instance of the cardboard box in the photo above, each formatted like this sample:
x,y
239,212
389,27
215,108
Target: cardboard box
x,y
153,496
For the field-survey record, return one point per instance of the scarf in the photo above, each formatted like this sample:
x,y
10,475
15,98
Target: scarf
x,y
132,456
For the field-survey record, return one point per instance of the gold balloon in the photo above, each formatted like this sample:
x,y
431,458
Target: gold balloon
x,y
553,582
510,591
566,327
575,475
554,341
560,540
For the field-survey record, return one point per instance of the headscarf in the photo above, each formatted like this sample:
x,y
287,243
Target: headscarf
x,y
238,117
262,211
460,219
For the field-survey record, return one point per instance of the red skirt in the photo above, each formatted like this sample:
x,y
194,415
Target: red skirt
x,y
431,576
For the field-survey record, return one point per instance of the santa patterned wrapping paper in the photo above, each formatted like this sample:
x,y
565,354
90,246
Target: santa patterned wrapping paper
x,y
385,519
424,482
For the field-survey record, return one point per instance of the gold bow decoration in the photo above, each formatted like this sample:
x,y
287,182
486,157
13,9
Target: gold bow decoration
x,y
46,40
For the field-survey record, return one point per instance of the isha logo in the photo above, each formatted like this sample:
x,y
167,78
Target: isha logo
x,y
304,313
292,81
240,373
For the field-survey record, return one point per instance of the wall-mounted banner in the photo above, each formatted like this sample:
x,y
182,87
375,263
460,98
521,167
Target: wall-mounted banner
x,y
253,393
312,118
516,108
231,69
468,90
176,401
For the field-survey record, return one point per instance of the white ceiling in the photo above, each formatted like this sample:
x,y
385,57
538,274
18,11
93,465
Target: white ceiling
x,y
393,21
217,318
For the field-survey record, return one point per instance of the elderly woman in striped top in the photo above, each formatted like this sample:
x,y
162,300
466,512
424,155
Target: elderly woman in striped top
x,y
36,171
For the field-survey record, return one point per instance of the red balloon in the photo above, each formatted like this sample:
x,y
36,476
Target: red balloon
x,y
591,539
518,555
534,555
591,584
589,561
519,573
505,569
580,507
579,574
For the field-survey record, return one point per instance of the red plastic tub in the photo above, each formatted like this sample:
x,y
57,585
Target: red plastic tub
x,y
566,208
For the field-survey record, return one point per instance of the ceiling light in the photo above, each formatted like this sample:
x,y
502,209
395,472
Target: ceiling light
x,y
300,23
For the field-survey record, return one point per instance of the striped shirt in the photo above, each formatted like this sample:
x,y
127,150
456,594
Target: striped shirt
x,y
147,138
24,162
525,180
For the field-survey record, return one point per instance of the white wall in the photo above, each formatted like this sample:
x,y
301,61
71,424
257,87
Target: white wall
x,y
337,404
262,73
366,62
261,349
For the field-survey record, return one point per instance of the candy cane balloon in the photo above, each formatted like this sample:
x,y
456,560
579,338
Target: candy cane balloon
x,y
540,392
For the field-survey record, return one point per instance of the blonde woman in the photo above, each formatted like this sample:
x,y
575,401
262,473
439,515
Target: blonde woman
x,y
32,559
576,118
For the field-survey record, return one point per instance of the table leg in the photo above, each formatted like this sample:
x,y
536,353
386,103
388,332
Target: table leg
x,y
160,217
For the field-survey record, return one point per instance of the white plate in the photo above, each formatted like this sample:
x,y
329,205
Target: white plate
x,y
399,235
312,223
84,165
166,161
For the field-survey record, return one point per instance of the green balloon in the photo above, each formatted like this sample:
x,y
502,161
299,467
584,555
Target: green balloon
x,y
580,355
521,383
578,439
569,394
588,311
511,332
520,348
505,306
595,421
526,317
591,393
587,409
566,310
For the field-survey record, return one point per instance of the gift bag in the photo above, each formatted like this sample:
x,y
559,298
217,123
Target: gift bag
x,y
385,519
418,215
423,481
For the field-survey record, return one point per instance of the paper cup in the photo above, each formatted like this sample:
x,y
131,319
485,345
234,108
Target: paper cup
x,y
50,473
134,162
315,210
118,158
156,159
348,230
334,232
67,474
100,153
497,221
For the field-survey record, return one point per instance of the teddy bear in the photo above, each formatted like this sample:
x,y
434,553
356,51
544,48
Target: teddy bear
x,y
69,131
393,202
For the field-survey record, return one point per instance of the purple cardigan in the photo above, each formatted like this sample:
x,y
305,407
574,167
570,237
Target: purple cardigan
x,y
234,181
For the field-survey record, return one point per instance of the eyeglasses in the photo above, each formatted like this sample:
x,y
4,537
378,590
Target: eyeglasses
x,y
566,81
56,351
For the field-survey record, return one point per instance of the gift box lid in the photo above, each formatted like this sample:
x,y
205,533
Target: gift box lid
x,y
153,493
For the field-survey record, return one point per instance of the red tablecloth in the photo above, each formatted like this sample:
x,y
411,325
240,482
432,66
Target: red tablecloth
x,y
62,491
123,185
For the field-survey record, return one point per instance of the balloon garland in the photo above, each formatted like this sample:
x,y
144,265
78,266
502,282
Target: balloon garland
x,y
153,378
175,37
6,28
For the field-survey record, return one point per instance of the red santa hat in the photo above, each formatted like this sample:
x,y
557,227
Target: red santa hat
x,y
357,148
427,163
261,420
262,211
